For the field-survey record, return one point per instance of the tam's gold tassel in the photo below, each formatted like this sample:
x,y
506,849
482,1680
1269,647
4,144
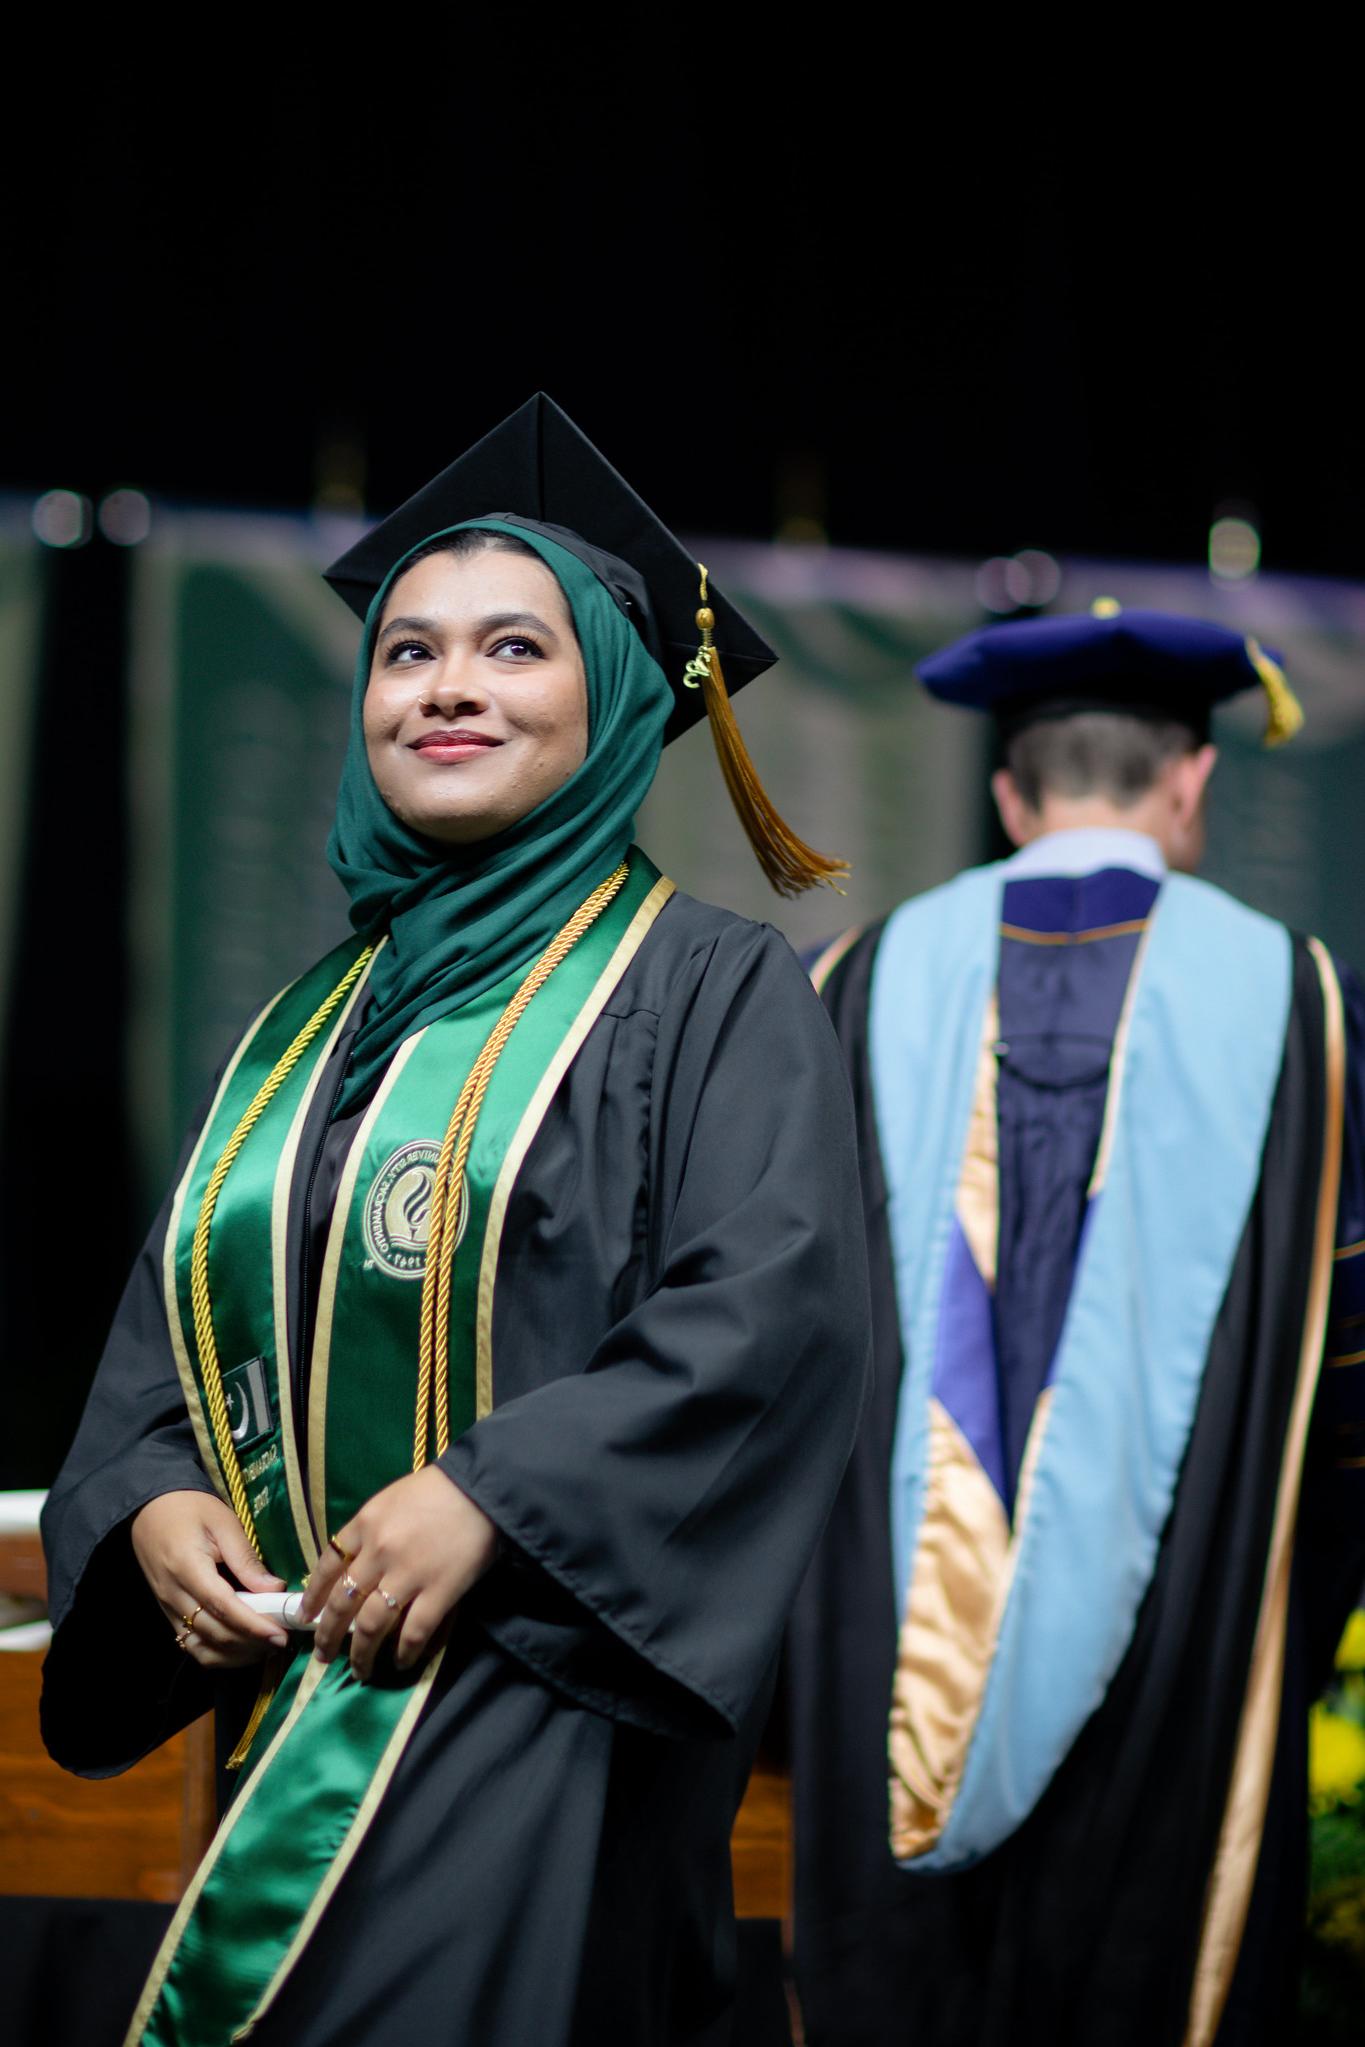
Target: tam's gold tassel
x,y
789,863
1284,712
270,1684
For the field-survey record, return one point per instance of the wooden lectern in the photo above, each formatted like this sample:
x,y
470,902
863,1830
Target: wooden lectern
x,y
136,1836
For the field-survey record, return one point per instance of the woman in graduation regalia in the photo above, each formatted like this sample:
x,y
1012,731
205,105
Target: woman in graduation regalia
x,y
503,1301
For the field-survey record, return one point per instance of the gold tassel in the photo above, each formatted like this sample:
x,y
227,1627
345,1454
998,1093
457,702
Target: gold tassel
x,y
1284,712
270,1684
789,863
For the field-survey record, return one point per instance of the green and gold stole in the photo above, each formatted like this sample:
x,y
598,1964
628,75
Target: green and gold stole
x,y
327,1746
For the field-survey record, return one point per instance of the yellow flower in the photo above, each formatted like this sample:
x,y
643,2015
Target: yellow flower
x,y
1336,1760
1351,1653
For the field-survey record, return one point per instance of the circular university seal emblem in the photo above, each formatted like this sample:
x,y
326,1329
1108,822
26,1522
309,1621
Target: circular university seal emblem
x,y
398,1210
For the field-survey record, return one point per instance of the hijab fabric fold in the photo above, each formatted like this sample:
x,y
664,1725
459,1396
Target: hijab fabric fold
x,y
459,918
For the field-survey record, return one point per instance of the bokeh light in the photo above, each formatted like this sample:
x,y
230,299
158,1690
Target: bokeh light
x,y
992,585
1234,549
1028,581
125,517
61,518
1044,574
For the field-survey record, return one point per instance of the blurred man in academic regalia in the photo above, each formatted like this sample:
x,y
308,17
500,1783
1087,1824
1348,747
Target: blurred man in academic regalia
x,y
1050,1673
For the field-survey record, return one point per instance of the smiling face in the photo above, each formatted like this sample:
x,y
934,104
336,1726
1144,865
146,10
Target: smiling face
x,y
476,709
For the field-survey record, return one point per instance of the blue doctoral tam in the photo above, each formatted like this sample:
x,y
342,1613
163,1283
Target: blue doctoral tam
x,y
1146,663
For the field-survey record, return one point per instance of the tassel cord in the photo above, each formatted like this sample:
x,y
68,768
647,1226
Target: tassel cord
x,y
1284,712
791,866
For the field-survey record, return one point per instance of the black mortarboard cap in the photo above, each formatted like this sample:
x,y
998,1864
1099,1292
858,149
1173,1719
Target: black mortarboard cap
x,y
537,470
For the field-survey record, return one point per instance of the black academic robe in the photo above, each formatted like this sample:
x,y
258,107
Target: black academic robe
x,y
1081,1930
680,1351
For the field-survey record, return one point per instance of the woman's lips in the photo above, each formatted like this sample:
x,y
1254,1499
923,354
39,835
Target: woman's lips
x,y
453,746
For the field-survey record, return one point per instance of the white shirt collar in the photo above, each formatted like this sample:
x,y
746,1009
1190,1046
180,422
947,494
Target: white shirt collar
x,y
1086,849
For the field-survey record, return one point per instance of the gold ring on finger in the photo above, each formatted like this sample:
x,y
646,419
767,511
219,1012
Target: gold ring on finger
x,y
345,1554
187,1620
348,1585
182,1641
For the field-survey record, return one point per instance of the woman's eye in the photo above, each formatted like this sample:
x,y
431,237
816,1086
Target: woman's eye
x,y
518,647
404,652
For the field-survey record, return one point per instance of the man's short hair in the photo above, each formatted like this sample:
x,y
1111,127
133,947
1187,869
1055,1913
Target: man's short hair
x,y
1093,753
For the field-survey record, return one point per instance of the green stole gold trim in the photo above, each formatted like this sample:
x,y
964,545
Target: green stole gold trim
x,y
252,1330
328,1745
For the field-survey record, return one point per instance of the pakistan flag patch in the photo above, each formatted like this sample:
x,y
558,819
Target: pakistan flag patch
x,y
248,1403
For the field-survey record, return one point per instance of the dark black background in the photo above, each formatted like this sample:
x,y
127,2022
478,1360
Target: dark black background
x,y
1074,305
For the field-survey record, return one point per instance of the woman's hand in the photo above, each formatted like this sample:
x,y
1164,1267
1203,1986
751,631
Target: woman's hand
x,y
411,1554
184,1541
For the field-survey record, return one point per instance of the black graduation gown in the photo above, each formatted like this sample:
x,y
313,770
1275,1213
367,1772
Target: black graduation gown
x,y
680,1353
1081,1929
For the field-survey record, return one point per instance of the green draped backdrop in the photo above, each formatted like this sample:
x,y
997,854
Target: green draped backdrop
x,y
240,664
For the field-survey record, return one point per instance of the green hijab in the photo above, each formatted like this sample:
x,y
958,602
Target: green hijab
x,y
459,918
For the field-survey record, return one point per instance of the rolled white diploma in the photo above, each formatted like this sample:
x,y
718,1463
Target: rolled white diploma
x,y
279,1606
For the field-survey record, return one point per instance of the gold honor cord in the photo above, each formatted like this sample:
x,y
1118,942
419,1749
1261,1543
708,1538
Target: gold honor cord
x,y
447,1194
210,1369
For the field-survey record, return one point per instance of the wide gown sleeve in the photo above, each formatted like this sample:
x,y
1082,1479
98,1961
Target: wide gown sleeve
x,y
115,1685
663,1499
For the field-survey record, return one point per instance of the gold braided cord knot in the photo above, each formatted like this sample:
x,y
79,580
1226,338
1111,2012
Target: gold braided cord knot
x,y
210,1369
448,1189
